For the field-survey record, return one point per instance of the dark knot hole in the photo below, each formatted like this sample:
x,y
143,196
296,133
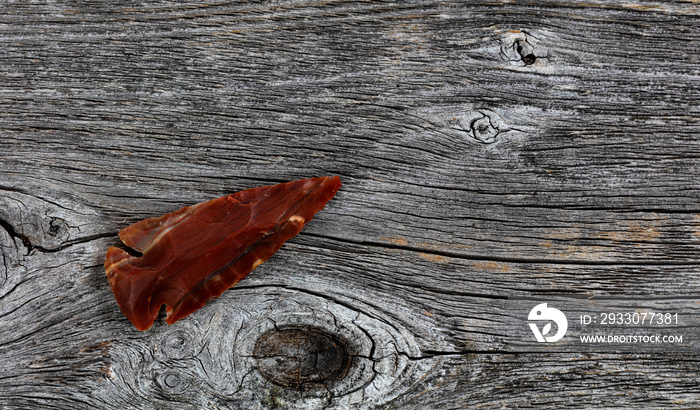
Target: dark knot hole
x,y
302,357
525,51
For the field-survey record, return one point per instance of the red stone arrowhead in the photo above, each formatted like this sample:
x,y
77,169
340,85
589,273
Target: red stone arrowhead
x,y
194,254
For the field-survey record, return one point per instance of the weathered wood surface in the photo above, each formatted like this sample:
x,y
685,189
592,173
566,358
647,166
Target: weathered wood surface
x,y
486,150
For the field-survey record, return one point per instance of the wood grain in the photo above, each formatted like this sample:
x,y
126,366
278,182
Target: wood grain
x,y
486,149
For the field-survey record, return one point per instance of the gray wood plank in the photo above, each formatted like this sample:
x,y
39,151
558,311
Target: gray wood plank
x,y
485,150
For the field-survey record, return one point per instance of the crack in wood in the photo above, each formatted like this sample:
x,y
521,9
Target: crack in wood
x,y
477,257
16,235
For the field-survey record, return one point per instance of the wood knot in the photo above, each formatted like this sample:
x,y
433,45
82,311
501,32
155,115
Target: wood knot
x,y
171,382
521,47
168,380
297,357
177,344
484,130
483,125
57,228
276,347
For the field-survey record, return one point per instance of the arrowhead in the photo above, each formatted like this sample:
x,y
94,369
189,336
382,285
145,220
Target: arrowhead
x,y
194,254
